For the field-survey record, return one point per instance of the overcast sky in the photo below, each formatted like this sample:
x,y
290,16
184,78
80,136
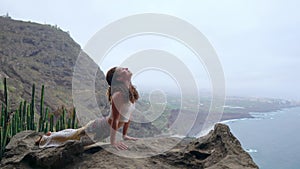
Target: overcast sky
x,y
257,41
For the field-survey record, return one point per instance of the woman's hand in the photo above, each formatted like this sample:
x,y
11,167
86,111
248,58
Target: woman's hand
x,y
125,137
120,146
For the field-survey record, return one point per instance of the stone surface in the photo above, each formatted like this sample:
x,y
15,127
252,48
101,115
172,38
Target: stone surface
x,y
217,150
22,152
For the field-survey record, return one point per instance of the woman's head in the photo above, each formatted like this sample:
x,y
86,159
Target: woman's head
x,y
117,75
119,79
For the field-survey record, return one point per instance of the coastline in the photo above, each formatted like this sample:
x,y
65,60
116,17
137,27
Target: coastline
x,y
247,114
251,131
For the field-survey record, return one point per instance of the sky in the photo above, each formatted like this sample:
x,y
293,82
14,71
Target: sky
x,y
257,42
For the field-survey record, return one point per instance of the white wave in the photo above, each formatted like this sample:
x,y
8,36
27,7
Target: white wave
x,y
249,150
234,120
178,136
233,107
260,115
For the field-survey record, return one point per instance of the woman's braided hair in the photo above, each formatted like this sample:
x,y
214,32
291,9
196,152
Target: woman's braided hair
x,y
130,94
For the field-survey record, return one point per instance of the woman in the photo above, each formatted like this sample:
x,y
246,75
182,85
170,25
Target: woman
x,y
122,95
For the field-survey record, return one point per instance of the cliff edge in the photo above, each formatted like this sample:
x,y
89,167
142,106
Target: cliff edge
x,y
217,150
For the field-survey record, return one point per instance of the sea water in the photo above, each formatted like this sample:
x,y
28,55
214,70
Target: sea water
x,y
272,139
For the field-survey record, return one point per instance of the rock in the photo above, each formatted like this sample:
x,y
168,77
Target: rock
x,y
22,152
19,146
217,150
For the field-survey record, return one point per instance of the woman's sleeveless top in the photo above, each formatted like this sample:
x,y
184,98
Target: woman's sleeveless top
x,y
125,112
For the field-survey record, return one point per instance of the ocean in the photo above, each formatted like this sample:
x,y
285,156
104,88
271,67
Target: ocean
x,y
272,139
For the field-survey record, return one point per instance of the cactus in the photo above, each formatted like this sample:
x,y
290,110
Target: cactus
x,y
16,124
41,120
61,127
5,136
57,126
5,102
69,123
40,123
24,116
1,141
46,127
13,126
62,119
10,130
5,108
45,121
32,126
51,122
2,115
73,118
20,126
4,120
46,116
28,123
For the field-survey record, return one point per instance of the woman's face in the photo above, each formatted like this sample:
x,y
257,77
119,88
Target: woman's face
x,y
123,74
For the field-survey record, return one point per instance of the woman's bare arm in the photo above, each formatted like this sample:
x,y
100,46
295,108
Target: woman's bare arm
x,y
117,101
125,129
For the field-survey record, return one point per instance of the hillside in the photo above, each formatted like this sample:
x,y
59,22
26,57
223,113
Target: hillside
x,y
44,55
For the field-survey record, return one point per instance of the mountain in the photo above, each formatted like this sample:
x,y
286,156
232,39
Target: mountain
x,y
32,53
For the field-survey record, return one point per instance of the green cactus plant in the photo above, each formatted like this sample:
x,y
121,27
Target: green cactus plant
x,y
1,140
20,126
41,120
4,140
5,101
46,127
23,118
69,123
57,126
73,118
2,115
4,120
28,118
61,127
32,126
46,116
64,119
51,122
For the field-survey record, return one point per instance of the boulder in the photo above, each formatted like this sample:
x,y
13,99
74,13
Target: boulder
x,y
22,152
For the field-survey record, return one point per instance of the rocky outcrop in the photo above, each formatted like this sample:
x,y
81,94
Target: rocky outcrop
x,y
217,150
21,152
